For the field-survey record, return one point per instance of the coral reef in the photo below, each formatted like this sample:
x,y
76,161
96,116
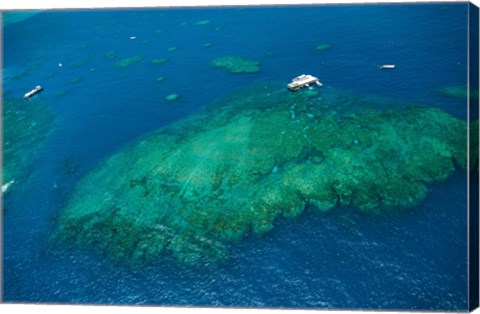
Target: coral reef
x,y
61,93
25,127
112,54
236,64
203,22
459,91
172,97
124,63
33,67
197,185
159,60
75,80
80,64
20,75
15,17
323,47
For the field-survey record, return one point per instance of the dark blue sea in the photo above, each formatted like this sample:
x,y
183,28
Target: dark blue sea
x,y
415,259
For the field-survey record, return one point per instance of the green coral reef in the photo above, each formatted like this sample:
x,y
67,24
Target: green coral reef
x,y
112,54
75,80
193,188
203,22
15,17
236,64
159,60
125,63
26,125
459,91
323,47
172,97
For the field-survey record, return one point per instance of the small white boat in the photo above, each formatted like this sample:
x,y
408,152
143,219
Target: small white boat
x,y
387,66
34,91
6,186
303,80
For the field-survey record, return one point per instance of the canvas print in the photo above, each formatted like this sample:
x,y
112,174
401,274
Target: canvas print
x,y
315,156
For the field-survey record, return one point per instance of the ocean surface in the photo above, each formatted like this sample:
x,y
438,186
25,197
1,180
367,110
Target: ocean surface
x,y
414,259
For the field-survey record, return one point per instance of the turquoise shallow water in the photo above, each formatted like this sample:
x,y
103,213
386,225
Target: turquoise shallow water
x,y
408,260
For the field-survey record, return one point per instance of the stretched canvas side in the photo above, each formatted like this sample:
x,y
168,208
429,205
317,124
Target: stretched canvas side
x,y
474,150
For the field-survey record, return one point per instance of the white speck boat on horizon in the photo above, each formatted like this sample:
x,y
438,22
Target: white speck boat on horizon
x,y
303,80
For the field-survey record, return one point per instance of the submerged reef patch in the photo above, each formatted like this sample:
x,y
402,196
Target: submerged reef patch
x,y
75,80
159,60
459,91
124,63
172,97
61,93
197,185
15,17
112,54
203,22
236,64
323,47
26,125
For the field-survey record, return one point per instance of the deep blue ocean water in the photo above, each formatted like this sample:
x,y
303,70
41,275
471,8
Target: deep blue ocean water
x,y
409,260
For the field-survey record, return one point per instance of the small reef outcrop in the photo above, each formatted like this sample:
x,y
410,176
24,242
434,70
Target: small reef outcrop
x,y
125,63
236,64
323,47
459,91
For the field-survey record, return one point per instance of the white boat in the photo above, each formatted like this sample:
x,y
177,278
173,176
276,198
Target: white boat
x,y
387,66
6,186
34,91
303,80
